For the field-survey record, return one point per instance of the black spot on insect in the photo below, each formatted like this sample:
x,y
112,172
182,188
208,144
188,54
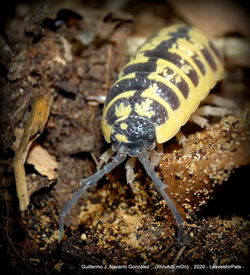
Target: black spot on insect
x,y
215,50
182,31
149,66
199,64
183,87
209,58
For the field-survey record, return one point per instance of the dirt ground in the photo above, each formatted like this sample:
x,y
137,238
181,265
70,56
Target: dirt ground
x,y
71,52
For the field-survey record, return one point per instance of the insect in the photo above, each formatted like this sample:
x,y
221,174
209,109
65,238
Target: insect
x,y
156,93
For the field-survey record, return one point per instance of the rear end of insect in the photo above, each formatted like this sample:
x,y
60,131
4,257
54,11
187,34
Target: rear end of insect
x,y
156,93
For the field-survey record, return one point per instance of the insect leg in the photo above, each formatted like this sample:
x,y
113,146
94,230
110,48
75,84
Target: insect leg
x,y
219,101
199,120
181,138
130,175
104,158
156,155
160,186
215,111
90,183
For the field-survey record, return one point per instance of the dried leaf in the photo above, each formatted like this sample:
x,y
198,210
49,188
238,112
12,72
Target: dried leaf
x,y
43,162
194,176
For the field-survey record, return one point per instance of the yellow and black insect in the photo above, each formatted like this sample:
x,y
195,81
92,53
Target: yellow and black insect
x,y
155,94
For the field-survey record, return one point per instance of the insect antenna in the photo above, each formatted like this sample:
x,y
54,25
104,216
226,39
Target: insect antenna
x,y
89,183
160,186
